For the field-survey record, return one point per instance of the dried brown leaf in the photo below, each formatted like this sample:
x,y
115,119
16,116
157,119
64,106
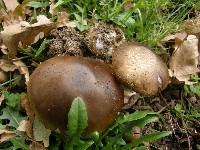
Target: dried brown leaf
x,y
24,33
5,135
4,49
26,106
25,126
23,69
11,4
184,61
180,36
63,20
7,66
36,146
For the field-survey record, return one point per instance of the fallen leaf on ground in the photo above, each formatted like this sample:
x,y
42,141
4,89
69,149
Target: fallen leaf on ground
x,y
180,36
25,126
36,146
24,33
7,66
23,69
4,49
11,66
63,20
5,135
40,132
11,4
184,60
26,107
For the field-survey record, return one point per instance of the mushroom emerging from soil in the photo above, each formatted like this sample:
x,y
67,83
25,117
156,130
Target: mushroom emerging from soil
x,y
139,68
57,81
103,38
65,41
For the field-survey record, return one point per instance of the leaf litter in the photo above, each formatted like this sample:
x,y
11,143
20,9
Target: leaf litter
x,y
184,60
182,64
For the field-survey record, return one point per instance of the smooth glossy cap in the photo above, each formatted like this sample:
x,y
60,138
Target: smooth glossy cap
x,y
57,81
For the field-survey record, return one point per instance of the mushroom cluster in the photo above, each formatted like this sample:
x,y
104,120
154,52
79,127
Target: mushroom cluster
x,y
58,81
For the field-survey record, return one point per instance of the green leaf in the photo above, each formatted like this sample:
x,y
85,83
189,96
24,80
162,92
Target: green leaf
x,y
19,143
12,99
2,127
84,145
134,116
147,138
77,117
146,120
41,48
141,148
179,108
92,136
13,116
37,4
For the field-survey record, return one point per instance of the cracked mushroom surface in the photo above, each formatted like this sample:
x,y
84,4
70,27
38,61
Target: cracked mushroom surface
x,y
66,41
58,81
103,38
139,68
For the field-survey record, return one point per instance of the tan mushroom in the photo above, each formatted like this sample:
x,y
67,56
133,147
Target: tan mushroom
x,y
58,81
139,68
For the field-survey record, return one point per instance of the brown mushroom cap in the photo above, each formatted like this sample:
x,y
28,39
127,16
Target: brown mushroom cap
x,y
58,81
139,68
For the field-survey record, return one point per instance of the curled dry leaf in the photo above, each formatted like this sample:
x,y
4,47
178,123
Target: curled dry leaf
x,y
5,135
25,126
36,146
25,33
40,133
3,49
7,66
23,69
184,60
11,4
